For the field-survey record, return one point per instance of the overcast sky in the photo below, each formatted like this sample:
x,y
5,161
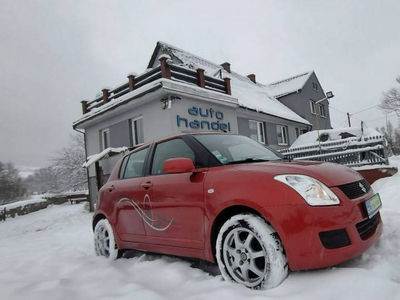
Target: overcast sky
x,y
54,54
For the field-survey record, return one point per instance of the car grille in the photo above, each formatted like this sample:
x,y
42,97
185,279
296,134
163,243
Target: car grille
x,y
355,189
366,227
334,239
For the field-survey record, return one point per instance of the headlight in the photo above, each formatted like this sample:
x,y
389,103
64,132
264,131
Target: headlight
x,y
312,190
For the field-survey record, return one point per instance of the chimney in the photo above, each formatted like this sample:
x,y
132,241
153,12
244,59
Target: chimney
x,y
252,77
226,66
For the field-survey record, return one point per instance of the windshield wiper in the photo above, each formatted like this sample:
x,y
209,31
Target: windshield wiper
x,y
247,160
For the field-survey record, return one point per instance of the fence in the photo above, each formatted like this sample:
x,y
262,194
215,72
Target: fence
x,y
32,207
353,152
164,70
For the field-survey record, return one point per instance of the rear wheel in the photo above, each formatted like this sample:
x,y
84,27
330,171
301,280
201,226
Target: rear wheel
x,y
104,240
249,252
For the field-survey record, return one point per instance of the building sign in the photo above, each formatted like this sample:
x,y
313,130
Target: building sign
x,y
207,119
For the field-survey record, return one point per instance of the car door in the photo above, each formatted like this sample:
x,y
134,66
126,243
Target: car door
x,y
129,196
174,202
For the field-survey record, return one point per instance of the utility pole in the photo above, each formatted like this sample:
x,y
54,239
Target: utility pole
x,y
348,119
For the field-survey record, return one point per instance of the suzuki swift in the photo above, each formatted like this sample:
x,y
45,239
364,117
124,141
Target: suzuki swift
x,y
229,200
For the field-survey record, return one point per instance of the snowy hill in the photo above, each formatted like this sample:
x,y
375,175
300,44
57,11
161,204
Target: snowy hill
x,y
49,255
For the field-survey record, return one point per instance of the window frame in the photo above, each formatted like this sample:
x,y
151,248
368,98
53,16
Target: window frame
x,y
322,112
134,134
125,161
285,135
108,139
313,107
260,124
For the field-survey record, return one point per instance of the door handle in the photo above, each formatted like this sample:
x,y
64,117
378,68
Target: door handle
x,y
111,188
146,185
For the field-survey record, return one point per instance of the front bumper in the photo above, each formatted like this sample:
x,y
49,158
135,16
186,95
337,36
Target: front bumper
x,y
300,228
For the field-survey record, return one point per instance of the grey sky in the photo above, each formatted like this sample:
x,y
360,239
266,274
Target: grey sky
x,y
54,54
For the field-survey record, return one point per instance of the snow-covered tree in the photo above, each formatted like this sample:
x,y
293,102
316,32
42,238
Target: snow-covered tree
x,y
65,172
67,165
11,185
391,100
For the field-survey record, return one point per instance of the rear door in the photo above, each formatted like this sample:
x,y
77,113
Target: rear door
x,y
174,202
128,197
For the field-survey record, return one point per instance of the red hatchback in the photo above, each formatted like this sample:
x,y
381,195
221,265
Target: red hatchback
x,y
227,199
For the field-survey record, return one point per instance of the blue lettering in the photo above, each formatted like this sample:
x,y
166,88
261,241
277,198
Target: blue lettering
x,y
215,125
205,122
195,124
194,111
202,114
219,115
179,119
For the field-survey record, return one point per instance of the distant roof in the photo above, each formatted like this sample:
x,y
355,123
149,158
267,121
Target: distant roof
x,y
290,85
249,94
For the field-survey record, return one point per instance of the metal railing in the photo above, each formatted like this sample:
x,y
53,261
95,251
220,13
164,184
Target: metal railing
x,y
353,152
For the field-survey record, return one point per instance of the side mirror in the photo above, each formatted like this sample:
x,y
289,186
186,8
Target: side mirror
x,y
178,165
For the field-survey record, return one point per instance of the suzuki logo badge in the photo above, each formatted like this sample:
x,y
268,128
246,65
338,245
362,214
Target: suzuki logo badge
x,y
362,187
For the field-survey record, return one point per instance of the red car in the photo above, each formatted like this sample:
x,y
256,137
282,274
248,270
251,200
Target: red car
x,y
227,199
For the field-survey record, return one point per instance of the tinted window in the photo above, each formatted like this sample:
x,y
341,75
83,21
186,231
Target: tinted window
x,y
135,164
170,149
123,166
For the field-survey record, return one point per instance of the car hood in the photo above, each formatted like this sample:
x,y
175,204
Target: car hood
x,y
328,173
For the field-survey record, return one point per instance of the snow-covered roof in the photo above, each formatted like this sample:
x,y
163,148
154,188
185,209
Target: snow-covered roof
x,y
249,94
103,154
289,85
347,133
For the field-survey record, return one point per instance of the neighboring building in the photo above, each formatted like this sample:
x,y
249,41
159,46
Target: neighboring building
x,y
300,93
182,92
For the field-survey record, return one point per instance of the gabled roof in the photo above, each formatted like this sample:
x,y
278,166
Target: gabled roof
x,y
249,94
289,85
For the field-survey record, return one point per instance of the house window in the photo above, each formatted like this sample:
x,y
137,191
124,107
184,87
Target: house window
x,y
257,131
297,133
315,86
105,138
312,106
322,110
282,135
137,131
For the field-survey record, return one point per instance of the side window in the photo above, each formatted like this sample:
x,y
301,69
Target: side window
x,y
135,164
282,135
170,149
123,167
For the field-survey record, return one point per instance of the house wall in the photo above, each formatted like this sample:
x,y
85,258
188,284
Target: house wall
x,y
270,123
300,103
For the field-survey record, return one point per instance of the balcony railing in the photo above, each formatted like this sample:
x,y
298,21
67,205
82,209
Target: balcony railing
x,y
353,152
164,70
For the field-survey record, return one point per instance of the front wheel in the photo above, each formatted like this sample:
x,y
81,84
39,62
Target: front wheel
x,y
249,252
104,240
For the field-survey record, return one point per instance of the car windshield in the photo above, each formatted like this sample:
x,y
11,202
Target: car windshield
x,y
231,149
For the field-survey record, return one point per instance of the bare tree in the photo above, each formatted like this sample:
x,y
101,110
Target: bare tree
x,y
391,100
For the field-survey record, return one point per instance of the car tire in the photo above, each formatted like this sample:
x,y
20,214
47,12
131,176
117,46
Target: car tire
x,y
249,252
104,240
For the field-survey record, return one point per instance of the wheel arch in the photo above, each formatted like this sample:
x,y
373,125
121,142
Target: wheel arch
x,y
97,218
225,215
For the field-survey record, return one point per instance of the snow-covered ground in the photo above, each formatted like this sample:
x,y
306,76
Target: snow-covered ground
x,y
49,255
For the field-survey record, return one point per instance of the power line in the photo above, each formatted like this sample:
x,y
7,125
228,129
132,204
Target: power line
x,y
357,112
338,110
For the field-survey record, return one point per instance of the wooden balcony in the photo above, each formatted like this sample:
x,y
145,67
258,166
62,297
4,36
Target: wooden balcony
x,y
164,70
